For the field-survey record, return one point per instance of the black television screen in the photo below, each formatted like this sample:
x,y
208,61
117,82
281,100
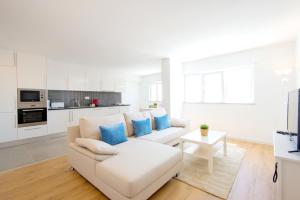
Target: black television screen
x,y
293,125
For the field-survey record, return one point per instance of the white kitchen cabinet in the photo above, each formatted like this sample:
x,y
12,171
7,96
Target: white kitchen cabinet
x,y
107,84
32,131
31,71
58,121
111,110
8,88
79,113
93,80
7,57
103,111
125,109
77,78
57,75
8,124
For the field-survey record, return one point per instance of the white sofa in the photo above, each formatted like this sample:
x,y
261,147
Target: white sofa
x,y
140,168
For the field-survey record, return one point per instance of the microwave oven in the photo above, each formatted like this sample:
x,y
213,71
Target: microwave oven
x,y
32,98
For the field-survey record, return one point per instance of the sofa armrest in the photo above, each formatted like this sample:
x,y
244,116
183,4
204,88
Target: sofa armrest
x,y
88,153
180,123
73,133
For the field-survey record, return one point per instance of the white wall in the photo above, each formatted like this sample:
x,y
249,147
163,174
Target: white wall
x,y
254,122
146,82
298,61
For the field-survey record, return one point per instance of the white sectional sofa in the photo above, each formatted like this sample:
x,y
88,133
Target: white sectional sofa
x,y
142,164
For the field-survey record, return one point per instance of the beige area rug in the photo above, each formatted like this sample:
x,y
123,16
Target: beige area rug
x,y
219,183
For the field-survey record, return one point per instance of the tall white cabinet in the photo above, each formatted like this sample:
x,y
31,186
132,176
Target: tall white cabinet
x,y
287,168
8,88
31,71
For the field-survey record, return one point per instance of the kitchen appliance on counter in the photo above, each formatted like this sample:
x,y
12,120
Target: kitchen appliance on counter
x,y
96,102
32,107
57,105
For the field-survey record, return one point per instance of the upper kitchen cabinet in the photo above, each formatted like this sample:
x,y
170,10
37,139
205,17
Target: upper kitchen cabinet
x,y
108,84
57,75
94,82
8,88
31,71
7,58
77,78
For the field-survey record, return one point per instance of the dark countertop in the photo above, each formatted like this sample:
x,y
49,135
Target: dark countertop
x,y
83,107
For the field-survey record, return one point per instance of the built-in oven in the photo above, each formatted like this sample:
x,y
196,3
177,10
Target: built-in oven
x,y
32,116
32,98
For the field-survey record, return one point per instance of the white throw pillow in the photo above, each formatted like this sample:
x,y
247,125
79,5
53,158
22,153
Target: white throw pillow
x,y
97,146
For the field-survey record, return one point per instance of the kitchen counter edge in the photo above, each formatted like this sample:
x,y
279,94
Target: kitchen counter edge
x,y
85,107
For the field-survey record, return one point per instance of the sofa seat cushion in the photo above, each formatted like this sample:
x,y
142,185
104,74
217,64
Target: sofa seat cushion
x,y
165,135
138,164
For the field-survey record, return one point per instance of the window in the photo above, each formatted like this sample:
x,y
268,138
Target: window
x,y
155,92
192,81
212,88
224,86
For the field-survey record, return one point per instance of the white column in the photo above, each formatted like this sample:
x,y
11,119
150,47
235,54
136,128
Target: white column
x,y
165,77
173,87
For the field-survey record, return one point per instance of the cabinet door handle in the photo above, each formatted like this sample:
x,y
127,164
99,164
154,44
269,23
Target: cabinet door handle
x,y
70,116
29,129
275,176
32,110
15,118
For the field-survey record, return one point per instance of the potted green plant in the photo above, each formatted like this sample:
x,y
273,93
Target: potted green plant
x,y
204,129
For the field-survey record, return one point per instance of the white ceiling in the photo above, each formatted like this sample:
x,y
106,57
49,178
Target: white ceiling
x,y
136,34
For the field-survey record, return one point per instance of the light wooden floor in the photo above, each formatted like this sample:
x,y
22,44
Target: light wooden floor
x,y
53,180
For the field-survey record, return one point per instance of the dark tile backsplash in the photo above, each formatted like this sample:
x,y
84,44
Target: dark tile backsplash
x,y
69,97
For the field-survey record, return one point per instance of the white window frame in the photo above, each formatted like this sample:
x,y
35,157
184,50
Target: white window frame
x,y
202,74
156,83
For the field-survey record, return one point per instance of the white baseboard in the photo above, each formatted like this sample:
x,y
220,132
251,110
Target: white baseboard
x,y
31,140
250,140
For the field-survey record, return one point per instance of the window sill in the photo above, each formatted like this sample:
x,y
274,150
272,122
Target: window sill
x,y
221,103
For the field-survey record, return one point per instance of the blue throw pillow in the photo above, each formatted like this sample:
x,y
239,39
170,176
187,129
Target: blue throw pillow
x,y
162,122
141,127
113,134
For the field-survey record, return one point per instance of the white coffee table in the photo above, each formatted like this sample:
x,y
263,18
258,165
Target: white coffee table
x,y
204,146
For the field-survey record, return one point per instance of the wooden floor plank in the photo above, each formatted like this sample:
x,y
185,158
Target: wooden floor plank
x,y
54,180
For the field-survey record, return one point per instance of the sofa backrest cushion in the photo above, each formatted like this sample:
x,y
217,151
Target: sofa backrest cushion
x,y
157,113
89,127
135,116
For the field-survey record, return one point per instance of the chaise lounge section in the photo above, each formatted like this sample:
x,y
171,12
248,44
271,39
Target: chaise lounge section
x,y
139,169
